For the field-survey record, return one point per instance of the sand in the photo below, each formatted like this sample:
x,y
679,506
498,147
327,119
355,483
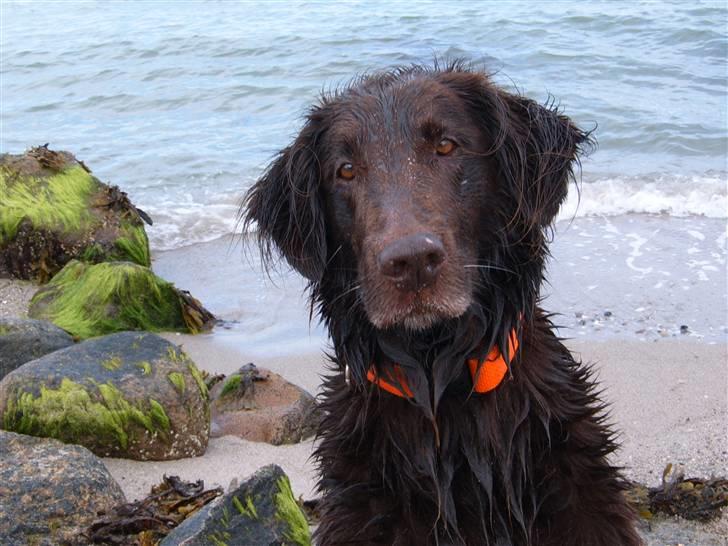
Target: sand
x,y
14,298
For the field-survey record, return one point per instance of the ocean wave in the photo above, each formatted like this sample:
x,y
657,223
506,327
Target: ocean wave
x,y
183,222
676,195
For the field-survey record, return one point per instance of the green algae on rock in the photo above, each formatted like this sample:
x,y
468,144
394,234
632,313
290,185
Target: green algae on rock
x,y
290,512
128,410
53,210
89,300
261,510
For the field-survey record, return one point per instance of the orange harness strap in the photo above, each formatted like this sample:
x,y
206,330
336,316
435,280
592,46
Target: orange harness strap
x,y
491,373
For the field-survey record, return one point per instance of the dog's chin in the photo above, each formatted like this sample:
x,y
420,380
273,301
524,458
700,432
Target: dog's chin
x,y
417,316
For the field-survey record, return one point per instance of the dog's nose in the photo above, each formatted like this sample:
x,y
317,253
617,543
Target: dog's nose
x,y
412,262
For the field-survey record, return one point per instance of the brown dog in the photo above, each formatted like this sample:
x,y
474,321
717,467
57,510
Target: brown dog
x,y
417,202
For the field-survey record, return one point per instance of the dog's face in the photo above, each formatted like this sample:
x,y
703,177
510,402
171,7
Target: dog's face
x,y
401,185
404,181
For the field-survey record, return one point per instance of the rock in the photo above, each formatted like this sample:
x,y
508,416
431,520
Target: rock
x,y
259,405
53,210
92,300
50,492
22,340
129,395
260,512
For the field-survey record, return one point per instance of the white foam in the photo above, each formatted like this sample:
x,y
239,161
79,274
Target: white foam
x,y
183,219
672,195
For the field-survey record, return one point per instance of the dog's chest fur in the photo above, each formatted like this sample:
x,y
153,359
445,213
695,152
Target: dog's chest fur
x,y
479,470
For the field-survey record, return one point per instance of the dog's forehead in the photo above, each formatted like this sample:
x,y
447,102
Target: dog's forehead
x,y
363,111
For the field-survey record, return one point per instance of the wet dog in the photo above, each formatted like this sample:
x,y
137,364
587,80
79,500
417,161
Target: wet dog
x,y
418,204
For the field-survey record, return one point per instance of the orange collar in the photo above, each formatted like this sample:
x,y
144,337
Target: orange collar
x,y
486,377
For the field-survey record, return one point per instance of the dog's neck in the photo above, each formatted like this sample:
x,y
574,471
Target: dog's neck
x,y
433,360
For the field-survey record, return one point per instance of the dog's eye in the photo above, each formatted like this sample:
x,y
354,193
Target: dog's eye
x,y
445,147
346,171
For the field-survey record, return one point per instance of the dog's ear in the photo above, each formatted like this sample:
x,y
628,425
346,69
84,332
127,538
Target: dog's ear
x,y
535,147
286,205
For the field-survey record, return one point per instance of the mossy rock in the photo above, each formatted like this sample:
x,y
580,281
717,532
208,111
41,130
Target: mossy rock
x,y
261,511
50,492
53,210
90,300
130,395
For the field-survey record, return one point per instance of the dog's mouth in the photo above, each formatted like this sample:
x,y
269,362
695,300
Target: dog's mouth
x,y
414,310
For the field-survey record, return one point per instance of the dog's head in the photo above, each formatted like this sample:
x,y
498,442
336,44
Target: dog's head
x,y
415,189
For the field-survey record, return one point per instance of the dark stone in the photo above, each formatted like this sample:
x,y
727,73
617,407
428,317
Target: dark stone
x,y
261,406
684,328
22,340
262,511
50,492
131,395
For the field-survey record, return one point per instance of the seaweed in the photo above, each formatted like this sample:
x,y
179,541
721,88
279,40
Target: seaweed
x,y
52,210
92,300
690,498
71,412
59,203
231,385
147,521
133,245
177,380
288,510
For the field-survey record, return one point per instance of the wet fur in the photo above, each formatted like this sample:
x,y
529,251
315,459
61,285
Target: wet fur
x,y
523,465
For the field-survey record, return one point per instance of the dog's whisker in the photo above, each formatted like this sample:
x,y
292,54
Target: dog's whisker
x,y
494,267
346,292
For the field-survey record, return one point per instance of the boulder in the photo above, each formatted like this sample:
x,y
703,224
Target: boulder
x,y
130,395
53,210
260,512
261,406
50,492
22,340
90,300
